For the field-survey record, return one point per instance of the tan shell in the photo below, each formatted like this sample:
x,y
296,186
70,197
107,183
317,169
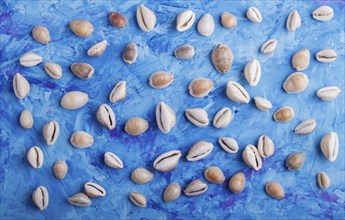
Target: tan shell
x,y
296,82
172,192
254,15
206,25
305,127
300,60
141,175
167,161
41,34
74,100
53,70
98,49
196,187
200,87
269,46
214,175
222,58
21,86
138,199
323,180
119,92
30,59
236,92
117,20
328,93
81,139
222,118
185,20
60,169
262,103
51,132
237,183
265,146
323,13
330,146
284,114
197,116
136,126
35,157
293,21
161,79
130,53
106,116
94,190
26,120
165,117
199,150
82,70
228,20
252,157
295,160
275,190
81,28
40,196
146,18
112,160
184,52
79,199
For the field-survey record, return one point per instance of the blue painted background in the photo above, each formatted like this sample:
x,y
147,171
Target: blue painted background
x,y
303,197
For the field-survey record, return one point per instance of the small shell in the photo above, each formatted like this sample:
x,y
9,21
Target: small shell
x,y
326,56
305,127
199,150
252,72
26,120
82,70
35,157
254,15
141,175
41,197
269,46
136,126
117,20
51,132
185,20
214,175
172,192
94,190
265,146
206,25
112,160
252,157
300,60
237,183
200,87
230,145
106,116
81,28
295,160
222,58
74,100
293,21
236,92
137,199
228,20
30,59
81,139
296,83
323,180
284,114
21,86
53,70
119,92
130,53
330,145
79,199
41,34
161,79
184,52
165,117
60,169
275,190
196,187
328,93
223,118
323,13
167,161
262,103
98,49
146,18
197,116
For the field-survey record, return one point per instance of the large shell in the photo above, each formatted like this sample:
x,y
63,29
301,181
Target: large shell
x,y
184,52
236,92
165,117
330,146
167,161
41,197
35,157
296,82
275,190
94,190
200,87
74,100
30,59
161,79
206,25
199,150
81,28
136,126
293,21
21,86
237,183
252,72
172,192
146,18
326,56
305,127
328,93
214,175
222,58
300,60
41,34
228,20
185,20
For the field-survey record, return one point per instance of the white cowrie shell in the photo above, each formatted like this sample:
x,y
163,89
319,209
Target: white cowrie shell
x,y
35,157
305,127
206,25
81,28
185,20
199,150
197,116
330,145
41,197
53,70
26,120
141,175
21,86
230,145
74,100
326,55
252,72
252,157
119,92
296,82
196,187
293,21
130,53
138,199
262,103
254,15
30,59
265,146
94,190
146,18
172,192
328,93
167,161
161,79
79,199
106,116
222,118
60,169
323,180
300,60
112,160
269,46
236,92
323,13
98,49
165,117
284,114
200,87
51,132
81,139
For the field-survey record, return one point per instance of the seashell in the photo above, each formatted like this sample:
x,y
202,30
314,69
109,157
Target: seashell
x,y
146,18
30,59
295,160
330,145
237,183
197,116
41,34
130,53
275,190
214,175
138,199
222,58
252,157
185,20
184,52
106,117
21,86
262,103
167,161
82,70
236,92
206,25
228,20
200,87
269,46
165,117
252,72
265,146
113,161
81,28
117,20
136,126
196,187
223,118
305,127
60,169
199,150
323,180
119,92
228,144
323,13
172,192
35,157
26,120
141,175
326,55
98,49
53,70
74,100
301,59
94,190
254,15
328,93
40,196
81,139
284,114
161,79
79,199
293,21
296,83
51,132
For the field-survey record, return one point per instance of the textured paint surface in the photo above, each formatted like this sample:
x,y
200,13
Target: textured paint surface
x,y
303,197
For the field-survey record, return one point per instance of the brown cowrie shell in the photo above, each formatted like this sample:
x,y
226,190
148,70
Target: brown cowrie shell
x,y
82,70
138,199
236,92
41,34
328,93
275,190
262,103
222,58
130,53
161,79
81,28
252,157
228,20
305,127
51,132
237,183
119,92
53,70
295,160
117,20
172,192
30,59
197,116
269,46
60,169
326,56
97,49
252,72
323,13
165,117
184,52
74,100
199,150
206,25
300,60
200,87
26,120
136,126
112,160
284,114
330,145
94,190
35,157
106,116
265,146
230,145
141,175
293,21
214,175
79,199
323,180
167,161
185,20
21,86
296,83
196,187
254,15
146,18
40,196
81,139
222,118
